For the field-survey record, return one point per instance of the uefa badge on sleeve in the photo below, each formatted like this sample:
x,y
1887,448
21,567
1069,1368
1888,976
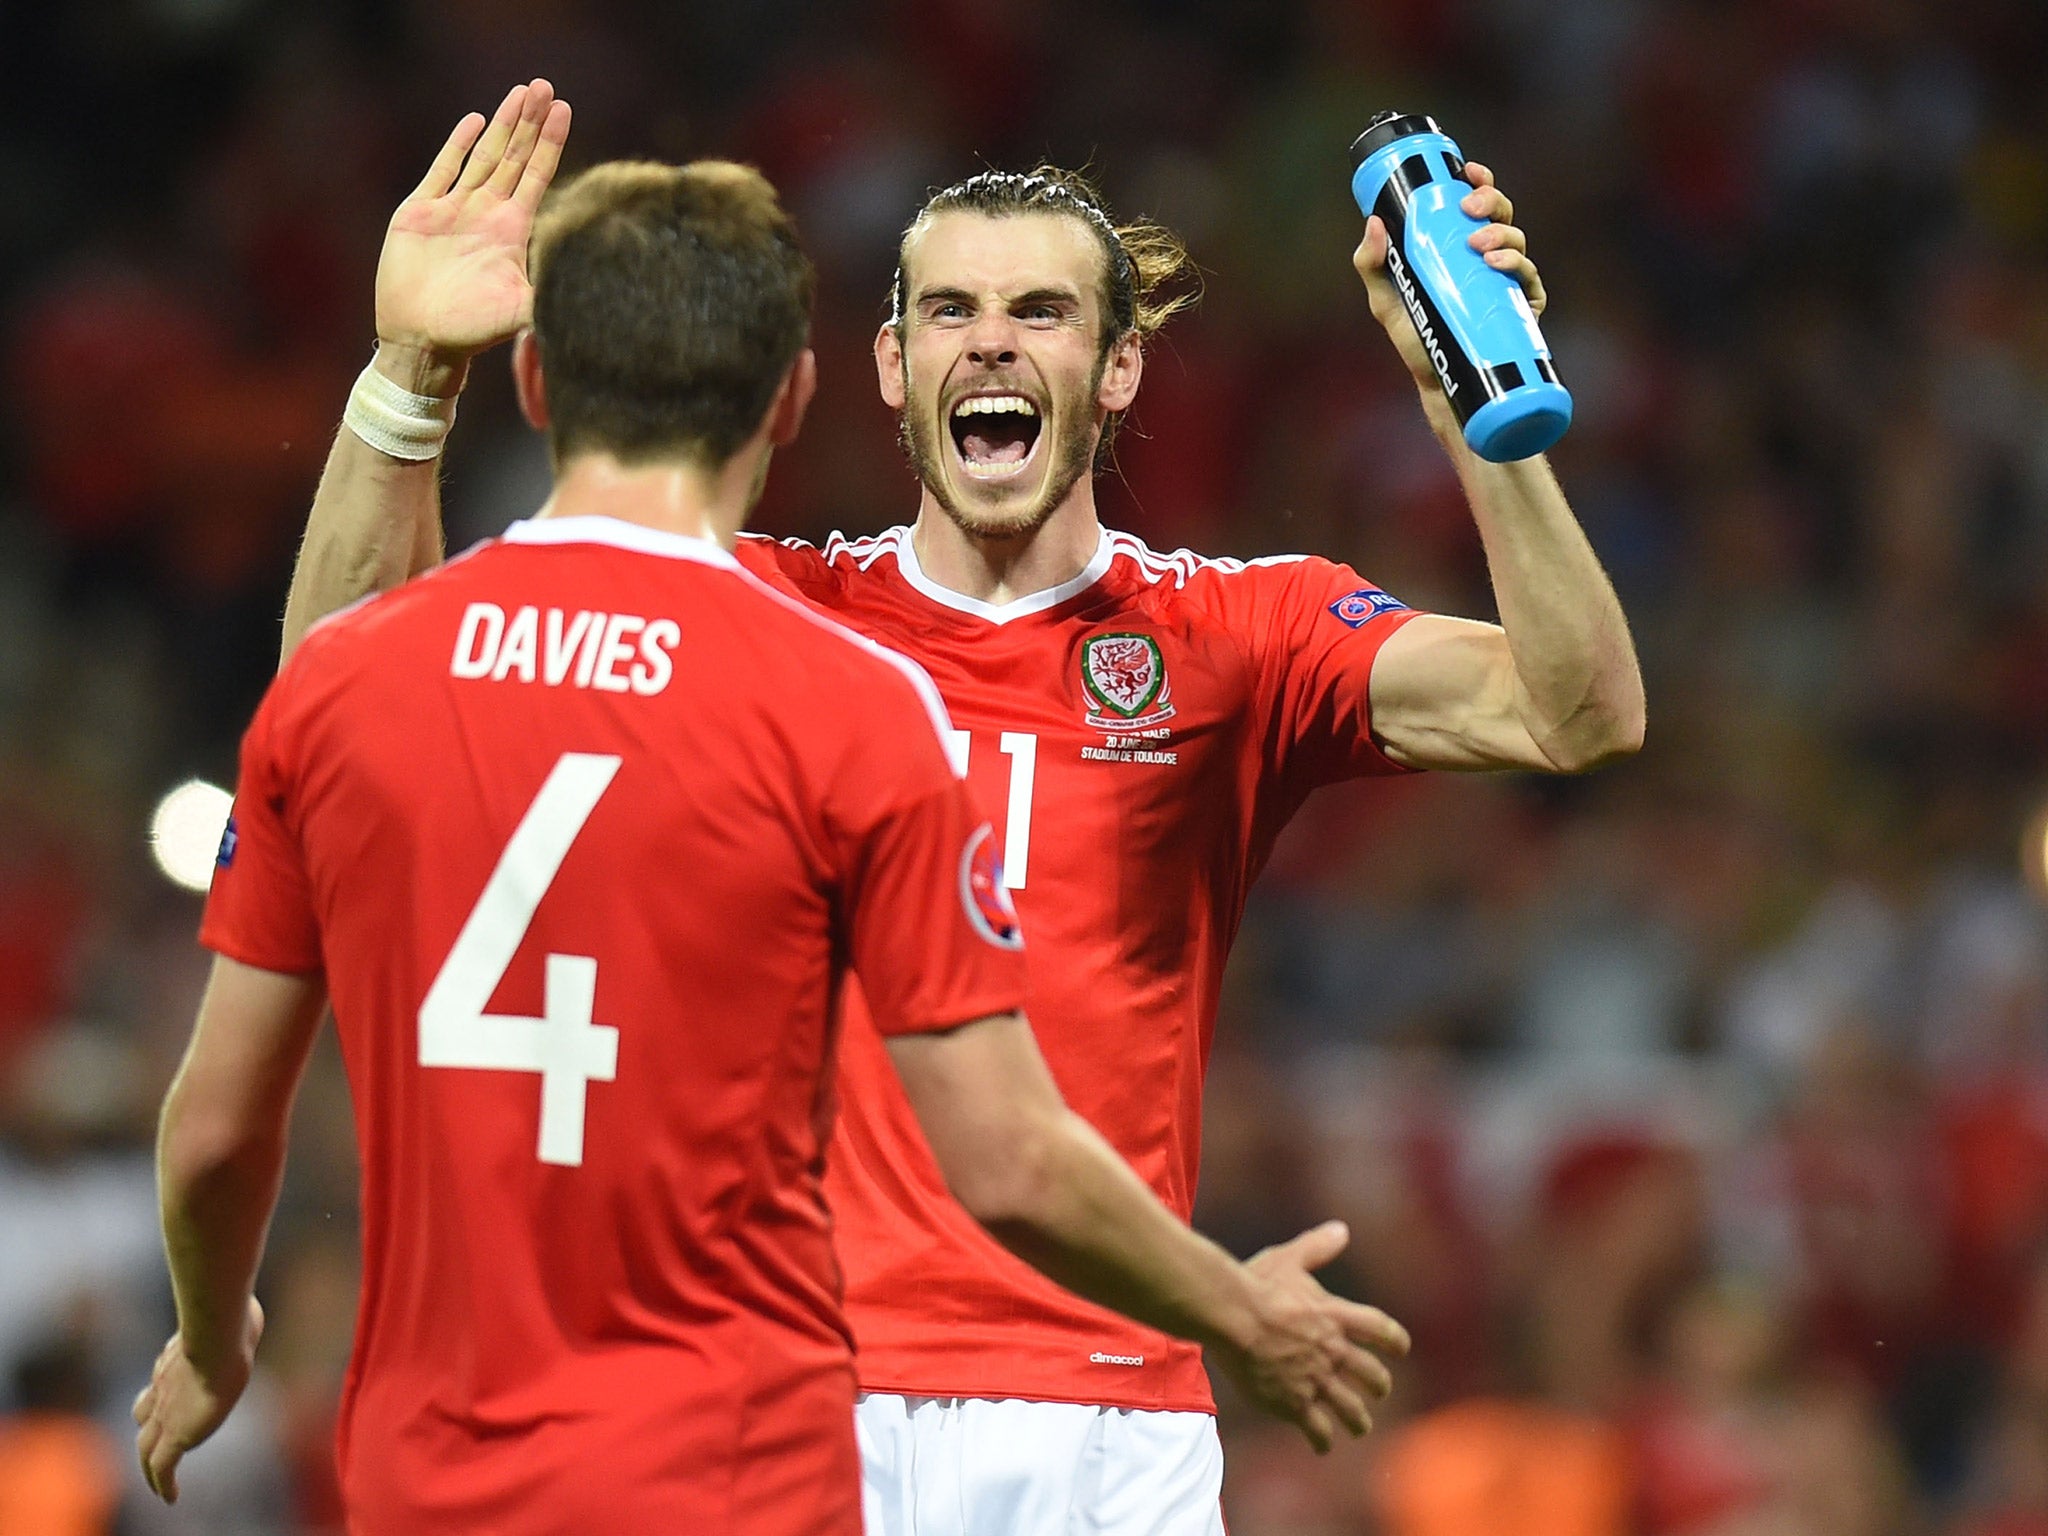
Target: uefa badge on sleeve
x,y
982,892
1355,608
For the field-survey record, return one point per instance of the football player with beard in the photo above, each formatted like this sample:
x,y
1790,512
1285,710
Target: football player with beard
x,y
1139,726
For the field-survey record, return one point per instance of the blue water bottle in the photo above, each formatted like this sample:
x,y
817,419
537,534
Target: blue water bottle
x,y
1474,322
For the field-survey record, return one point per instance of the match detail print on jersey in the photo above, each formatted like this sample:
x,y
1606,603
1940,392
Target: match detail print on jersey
x,y
563,1046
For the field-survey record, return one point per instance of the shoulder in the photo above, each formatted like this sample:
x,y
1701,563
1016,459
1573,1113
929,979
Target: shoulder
x,y
836,656
1228,585
809,565
330,640
1275,607
355,641
1181,567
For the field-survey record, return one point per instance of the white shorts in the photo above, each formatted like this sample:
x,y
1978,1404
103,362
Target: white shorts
x,y
971,1466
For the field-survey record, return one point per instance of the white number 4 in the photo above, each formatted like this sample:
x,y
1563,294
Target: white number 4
x,y
563,1046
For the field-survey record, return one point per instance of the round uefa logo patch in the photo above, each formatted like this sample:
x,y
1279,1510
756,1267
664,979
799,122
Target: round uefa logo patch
x,y
982,892
1366,603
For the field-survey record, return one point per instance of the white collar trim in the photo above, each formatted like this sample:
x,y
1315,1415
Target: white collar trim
x,y
619,534
1001,613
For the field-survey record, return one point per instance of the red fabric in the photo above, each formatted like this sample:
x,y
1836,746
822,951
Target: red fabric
x,y
652,1339
2016,1522
1143,837
45,903
1865,1181
1994,1147
1696,1471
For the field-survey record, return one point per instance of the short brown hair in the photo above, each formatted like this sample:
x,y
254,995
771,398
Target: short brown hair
x,y
668,303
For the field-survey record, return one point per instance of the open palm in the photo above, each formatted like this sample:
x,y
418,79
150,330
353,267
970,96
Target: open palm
x,y
452,275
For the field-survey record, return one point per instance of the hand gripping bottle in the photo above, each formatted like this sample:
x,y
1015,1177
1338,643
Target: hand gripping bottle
x,y
1475,323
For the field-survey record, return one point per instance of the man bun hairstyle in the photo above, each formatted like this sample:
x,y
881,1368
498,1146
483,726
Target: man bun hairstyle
x,y
668,304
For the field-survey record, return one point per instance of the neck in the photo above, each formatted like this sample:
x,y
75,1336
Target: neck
x,y
669,494
1003,570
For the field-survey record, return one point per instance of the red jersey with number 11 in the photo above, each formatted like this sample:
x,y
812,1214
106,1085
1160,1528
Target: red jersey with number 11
x,y
584,830
1138,735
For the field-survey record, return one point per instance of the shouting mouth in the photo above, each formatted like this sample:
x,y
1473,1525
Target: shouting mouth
x,y
995,436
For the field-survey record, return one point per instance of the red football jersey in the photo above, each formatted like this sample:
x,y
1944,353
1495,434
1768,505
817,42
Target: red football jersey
x,y
585,830
1139,735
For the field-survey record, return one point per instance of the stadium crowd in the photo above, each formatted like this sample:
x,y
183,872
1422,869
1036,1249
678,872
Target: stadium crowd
x,y
1693,1116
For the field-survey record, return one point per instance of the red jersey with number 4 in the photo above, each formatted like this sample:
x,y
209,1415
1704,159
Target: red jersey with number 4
x,y
584,830
1138,735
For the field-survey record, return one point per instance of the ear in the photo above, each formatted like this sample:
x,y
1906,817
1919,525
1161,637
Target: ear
x,y
889,366
1120,371
527,380
792,399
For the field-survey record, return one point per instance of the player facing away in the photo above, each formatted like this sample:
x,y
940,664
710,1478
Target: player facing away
x,y
1138,727
582,835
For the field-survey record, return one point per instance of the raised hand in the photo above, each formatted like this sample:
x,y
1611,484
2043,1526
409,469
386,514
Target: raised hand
x,y
1503,245
1316,1360
181,1406
451,280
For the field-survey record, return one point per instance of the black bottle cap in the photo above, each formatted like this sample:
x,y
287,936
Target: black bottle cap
x,y
1386,128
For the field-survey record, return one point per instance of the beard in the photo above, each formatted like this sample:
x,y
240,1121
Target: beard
x,y
1072,457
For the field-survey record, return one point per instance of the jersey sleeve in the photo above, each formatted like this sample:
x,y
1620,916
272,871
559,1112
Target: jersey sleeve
x,y
931,930
1320,633
260,909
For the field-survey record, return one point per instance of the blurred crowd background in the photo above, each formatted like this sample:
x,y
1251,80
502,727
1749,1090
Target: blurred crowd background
x,y
1694,1115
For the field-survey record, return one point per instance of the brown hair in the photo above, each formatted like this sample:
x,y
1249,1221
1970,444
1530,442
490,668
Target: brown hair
x,y
1141,259
668,303
1147,275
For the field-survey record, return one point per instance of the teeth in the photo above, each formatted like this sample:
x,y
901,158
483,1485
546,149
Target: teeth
x,y
990,405
996,471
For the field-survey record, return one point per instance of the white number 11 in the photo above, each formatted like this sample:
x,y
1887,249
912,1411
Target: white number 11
x,y
1021,747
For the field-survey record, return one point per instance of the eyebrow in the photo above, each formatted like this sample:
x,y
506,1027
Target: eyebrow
x,y
1057,295
1046,296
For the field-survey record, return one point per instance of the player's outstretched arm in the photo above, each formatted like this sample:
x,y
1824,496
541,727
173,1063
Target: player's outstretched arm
x,y
1555,685
1050,1189
451,283
220,1158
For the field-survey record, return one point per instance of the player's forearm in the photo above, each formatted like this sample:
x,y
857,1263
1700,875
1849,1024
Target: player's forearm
x,y
1578,687
1075,1211
217,1186
1048,1187
376,520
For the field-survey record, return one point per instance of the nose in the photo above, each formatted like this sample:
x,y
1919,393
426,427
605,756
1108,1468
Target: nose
x,y
992,340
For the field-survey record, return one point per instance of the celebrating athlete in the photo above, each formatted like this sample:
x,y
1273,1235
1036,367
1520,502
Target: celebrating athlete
x,y
1139,726
581,835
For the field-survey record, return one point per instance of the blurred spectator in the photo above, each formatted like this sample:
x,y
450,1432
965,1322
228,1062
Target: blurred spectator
x,y
58,1467
1483,1466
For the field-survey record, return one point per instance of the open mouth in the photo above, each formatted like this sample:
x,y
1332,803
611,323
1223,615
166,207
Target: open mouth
x,y
996,436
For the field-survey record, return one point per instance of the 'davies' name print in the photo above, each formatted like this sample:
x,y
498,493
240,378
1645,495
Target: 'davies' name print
x,y
613,652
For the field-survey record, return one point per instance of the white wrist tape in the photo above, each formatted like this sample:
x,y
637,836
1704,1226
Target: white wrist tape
x,y
394,420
